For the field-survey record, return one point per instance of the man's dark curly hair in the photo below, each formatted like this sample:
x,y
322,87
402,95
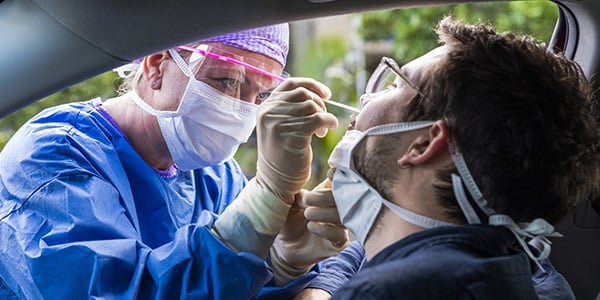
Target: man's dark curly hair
x,y
521,115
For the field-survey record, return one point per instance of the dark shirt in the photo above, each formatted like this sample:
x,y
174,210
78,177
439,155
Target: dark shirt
x,y
455,262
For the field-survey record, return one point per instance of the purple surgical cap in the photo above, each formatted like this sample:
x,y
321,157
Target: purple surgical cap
x,y
271,41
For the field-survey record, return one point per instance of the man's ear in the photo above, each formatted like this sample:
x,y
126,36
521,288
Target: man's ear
x,y
426,147
153,71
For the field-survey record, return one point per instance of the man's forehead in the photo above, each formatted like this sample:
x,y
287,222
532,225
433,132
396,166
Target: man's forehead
x,y
419,64
390,107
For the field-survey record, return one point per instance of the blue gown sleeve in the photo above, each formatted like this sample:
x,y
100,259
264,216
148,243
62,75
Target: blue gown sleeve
x,y
216,188
336,270
72,226
549,283
81,217
270,291
73,242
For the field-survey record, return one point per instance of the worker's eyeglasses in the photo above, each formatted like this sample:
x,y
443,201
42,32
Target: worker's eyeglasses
x,y
388,75
230,83
238,76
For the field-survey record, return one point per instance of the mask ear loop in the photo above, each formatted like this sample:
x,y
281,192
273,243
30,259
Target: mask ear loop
x,y
538,230
128,70
463,201
414,218
407,215
397,127
465,174
181,63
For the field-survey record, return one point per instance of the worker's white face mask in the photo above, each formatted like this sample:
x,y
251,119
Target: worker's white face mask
x,y
208,126
357,202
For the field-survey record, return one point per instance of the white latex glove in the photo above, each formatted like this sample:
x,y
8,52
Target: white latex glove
x,y
312,294
284,152
286,122
312,232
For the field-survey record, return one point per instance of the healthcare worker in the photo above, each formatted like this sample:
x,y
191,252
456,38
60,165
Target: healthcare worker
x,y
120,198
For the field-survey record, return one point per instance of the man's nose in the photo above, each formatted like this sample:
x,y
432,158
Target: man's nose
x,y
364,99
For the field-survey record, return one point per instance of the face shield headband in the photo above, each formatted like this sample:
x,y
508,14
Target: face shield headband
x,y
241,77
536,232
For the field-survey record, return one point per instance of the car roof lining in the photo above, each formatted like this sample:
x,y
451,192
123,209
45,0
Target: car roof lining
x,y
23,65
151,25
108,33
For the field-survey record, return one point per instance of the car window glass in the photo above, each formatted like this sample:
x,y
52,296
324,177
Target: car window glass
x,y
341,52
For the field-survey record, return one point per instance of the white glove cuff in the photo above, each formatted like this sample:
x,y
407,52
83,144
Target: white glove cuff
x,y
282,273
253,220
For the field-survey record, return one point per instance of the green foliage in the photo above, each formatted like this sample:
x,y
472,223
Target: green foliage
x,y
330,61
411,30
103,85
323,60
412,33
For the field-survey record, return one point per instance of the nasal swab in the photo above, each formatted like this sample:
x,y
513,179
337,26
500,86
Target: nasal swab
x,y
342,105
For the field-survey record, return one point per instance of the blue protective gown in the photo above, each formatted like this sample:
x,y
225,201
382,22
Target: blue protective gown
x,y
83,216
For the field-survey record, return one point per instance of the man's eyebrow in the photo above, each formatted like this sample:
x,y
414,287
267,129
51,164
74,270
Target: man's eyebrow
x,y
404,75
404,71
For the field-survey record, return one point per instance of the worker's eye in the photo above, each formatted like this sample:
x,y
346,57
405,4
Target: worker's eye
x,y
229,83
262,96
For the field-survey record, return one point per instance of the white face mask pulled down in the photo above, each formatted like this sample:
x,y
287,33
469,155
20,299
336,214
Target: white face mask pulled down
x,y
207,127
357,202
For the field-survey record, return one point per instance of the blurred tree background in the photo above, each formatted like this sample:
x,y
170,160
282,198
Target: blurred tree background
x,y
342,64
402,34
103,85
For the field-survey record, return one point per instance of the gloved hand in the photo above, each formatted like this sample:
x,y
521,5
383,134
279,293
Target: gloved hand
x,y
286,122
284,152
312,232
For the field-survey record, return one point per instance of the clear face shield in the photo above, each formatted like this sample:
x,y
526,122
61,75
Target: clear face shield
x,y
241,77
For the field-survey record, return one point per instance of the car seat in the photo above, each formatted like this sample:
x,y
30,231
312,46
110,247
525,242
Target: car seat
x,y
577,254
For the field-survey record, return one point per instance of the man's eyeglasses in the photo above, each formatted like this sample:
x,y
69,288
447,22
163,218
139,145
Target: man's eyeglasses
x,y
387,75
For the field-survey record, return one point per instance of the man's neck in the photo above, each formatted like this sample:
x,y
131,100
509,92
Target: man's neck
x,y
381,236
413,192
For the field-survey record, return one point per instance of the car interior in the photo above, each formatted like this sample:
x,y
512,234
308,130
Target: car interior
x,y
49,45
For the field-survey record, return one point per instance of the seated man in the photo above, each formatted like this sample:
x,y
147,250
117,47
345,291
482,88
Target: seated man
x,y
458,164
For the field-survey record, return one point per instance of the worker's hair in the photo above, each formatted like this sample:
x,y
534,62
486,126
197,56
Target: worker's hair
x,y
135,75
522,116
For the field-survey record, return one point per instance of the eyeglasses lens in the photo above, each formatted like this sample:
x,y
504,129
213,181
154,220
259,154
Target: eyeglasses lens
x,y
382,78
